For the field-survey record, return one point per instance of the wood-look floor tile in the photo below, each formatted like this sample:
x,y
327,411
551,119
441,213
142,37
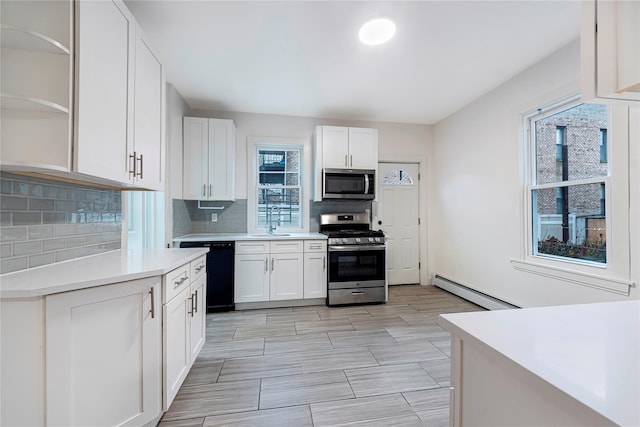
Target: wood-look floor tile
x,y
203,371
186,422
312,326
440,370
432,406
343,312
303,389
217,335
236,348
429,332
246,368
214,399
298,343
412,351
444,345
381,411
295,416
389,379
263,331
378,323
420,319
388,310
292,316
360,338
330,360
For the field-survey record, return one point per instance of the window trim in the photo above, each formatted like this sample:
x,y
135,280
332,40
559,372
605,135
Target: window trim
x,y
253,143
615,275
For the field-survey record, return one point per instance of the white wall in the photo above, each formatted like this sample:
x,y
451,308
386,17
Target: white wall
x,y
476,191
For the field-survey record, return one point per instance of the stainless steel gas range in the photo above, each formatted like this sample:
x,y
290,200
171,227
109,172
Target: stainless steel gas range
x,y
357,268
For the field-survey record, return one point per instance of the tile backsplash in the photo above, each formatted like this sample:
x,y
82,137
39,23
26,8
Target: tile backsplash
x,y
189,219
44,221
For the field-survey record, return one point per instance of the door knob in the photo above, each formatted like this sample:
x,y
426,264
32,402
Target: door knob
x,y
379,222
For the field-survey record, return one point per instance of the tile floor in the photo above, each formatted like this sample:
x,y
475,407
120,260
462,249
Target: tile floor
x,y
370,365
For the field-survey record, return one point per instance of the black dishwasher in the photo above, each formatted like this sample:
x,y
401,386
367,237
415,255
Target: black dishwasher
x,y
219,274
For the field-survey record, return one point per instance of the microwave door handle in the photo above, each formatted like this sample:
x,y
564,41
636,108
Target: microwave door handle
x,y
366,183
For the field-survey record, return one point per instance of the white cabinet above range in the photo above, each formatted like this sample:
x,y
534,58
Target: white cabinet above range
x,y
209,153
337,147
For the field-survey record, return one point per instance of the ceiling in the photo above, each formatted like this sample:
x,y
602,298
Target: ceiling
x,y
303,58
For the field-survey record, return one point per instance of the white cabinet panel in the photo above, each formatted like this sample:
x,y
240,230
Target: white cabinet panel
x,y
610,51
287,279
315,275
176,344
209,159
97,340
105,35
198,329
335,150
251,278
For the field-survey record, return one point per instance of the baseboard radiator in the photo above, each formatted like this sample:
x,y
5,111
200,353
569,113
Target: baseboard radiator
x,y
483,300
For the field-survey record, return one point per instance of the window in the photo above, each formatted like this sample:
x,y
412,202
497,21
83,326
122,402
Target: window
x,y
576,225
568,189
276,181
278,186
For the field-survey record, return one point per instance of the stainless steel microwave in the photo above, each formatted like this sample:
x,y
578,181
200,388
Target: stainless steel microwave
x,y
348,184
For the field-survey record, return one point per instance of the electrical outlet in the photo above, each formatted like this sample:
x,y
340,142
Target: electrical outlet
x,y
214,217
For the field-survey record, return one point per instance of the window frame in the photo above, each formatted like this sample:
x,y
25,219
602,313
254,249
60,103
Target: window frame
x,y
614,276
277,143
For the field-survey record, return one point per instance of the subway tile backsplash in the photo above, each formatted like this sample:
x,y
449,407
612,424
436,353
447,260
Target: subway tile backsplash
x,y
44,221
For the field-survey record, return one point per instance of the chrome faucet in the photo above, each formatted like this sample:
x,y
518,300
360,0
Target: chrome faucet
x,y
272,228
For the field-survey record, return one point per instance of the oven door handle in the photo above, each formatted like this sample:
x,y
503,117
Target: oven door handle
x,y
357,248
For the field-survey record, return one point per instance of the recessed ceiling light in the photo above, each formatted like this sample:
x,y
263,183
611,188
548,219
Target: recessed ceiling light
x,y
377,31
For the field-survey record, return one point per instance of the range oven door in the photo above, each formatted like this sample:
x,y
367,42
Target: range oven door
x,y
356,266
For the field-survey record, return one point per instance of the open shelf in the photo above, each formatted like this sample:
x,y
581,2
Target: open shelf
x,y
18,38
22,103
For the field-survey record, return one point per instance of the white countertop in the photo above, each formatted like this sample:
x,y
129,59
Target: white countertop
x,y
95,270
589,351
220,237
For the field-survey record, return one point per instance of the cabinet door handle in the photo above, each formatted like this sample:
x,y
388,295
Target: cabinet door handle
x,y
132,163
153,303
141,163
191,304
345,161
195,304
324,263
204,190
272,259
210,189
266,264
351,160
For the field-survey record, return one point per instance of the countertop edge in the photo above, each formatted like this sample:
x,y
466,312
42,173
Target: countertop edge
x,y
146,263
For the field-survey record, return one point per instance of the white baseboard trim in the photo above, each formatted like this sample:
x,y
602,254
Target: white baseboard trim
x,y
483,300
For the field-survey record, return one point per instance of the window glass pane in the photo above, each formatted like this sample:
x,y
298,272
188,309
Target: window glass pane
x,y
569,222
398,177
278,187
568,144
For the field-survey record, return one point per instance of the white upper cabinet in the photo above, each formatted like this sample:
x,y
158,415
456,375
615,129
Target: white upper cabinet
x,y
610,51
37,65
209,159
349,148
119,110
338,147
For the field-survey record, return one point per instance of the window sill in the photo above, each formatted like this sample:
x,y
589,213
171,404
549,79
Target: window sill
x,y
617,286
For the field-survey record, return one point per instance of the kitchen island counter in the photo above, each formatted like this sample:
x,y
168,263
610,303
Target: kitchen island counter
x,y
576,364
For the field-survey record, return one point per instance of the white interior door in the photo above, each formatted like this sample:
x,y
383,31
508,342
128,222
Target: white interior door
x,y
398,207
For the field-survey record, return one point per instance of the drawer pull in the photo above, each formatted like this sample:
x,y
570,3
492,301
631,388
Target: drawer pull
x,y
199,268
180,282
357,293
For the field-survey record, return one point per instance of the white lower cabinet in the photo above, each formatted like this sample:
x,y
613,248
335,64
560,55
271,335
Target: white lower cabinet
x,y
183,309
103,355
280,270
315,269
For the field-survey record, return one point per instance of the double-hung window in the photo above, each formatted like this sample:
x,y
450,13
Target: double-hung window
x,y
576,212
275,189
